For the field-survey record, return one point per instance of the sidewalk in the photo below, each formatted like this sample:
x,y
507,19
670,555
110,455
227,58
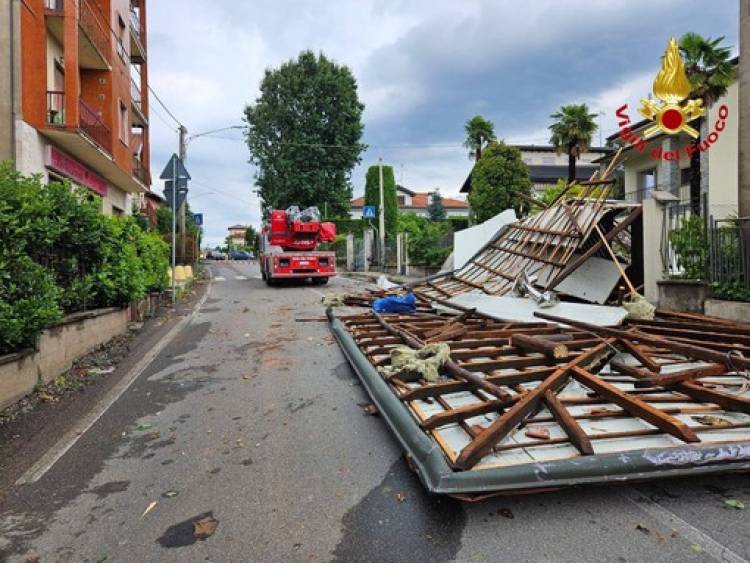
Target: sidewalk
x,y
373,276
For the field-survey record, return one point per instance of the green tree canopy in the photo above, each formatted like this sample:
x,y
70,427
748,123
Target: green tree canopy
x,y
372,195
479,133
571,133
251,238
435,209
496,178
304,134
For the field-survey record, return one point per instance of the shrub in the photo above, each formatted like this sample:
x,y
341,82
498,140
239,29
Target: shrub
x,y
154,255
690,243
28,302
372,196
429,241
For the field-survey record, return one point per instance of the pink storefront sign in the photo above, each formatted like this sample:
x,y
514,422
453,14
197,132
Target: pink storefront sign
x,y
61,163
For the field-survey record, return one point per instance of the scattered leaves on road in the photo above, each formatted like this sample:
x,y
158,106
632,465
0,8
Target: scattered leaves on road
x,y
506,513
642,528
400,497
169,494
150,507
144,426
734,503
205,527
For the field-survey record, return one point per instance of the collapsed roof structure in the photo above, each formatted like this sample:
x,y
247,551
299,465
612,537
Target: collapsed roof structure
x,y
531,406
533,398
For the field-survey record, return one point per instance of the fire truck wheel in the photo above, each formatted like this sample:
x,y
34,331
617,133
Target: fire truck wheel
x,y
320,281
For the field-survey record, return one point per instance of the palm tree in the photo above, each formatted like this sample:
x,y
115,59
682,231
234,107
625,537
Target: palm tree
x,y
479,133
571,133
710,70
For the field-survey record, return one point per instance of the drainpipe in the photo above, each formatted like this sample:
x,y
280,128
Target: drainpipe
x,y
13,81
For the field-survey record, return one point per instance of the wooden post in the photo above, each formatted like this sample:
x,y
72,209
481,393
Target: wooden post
x,y
399,243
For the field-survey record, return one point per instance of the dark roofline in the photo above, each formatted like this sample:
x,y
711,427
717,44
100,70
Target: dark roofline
x,y
402,189
550,148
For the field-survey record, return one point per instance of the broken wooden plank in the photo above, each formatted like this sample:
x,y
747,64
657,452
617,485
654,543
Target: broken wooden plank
x,y
575,433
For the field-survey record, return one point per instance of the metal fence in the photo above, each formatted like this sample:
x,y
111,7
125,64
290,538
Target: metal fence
x,y
729,252
717,250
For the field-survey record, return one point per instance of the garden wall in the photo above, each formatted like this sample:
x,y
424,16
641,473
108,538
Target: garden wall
x,y
57,348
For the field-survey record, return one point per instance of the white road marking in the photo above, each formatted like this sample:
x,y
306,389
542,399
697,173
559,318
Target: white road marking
x,y
220,278
240,277
45,463
692,534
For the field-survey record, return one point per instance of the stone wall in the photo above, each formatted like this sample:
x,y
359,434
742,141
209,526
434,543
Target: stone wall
x,y
57,348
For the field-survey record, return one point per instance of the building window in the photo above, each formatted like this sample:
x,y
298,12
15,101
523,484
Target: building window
x,y
124,126
685,174
401,201
122,38
646,184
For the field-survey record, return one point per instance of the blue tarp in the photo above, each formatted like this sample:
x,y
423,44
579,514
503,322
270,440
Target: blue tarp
x,y
395,304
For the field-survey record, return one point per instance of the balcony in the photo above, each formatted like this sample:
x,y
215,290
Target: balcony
x,y
91,123
141,172
137,50
94,37
136,100
89,140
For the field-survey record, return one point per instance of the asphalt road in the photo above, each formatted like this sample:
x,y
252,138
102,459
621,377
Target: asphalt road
x,y
257,420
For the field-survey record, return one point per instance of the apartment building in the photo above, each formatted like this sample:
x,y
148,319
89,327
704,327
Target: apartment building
x,y
84,111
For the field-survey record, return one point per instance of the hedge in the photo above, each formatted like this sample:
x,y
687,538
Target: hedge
x,y
61,255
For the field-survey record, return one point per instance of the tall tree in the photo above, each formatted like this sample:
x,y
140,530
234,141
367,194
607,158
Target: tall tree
x,y
572,131
710,70
251,238
304,134
496,180
435,209
479,133
372,195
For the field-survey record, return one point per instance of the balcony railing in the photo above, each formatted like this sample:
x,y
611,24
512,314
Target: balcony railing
x,y
140,171
91,124
56,108
135,23
94,28
135,95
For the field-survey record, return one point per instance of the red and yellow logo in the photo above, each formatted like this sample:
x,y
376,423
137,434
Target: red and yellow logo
x,y
672,87
672,111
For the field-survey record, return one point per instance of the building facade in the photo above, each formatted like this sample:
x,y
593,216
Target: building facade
x,y
546,166
415,202
236,236
644,172
84,111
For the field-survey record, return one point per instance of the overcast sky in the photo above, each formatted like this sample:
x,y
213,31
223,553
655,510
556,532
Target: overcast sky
x,y
423,68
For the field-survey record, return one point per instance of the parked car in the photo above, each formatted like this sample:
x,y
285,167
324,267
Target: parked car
x,y
241,255
216,255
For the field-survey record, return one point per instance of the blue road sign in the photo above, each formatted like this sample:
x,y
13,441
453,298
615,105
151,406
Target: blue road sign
x,y
369,212
198,218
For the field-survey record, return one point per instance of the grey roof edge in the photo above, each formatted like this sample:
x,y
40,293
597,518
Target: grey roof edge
x,y
438,477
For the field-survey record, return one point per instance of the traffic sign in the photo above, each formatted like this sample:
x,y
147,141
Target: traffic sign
x,y
198,219
174,167
369,212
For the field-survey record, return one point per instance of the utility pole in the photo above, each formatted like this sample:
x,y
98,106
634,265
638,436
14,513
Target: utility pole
x,y
183,155
381,215
174,229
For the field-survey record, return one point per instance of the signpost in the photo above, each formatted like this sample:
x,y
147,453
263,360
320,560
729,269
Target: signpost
x,y
198,219
369,212
174,174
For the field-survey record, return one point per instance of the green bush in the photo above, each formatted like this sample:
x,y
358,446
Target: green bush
x,y
60,255
459,223
429,241
28,302
690,244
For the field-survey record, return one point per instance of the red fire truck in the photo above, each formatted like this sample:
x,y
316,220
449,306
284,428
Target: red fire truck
x,y
288,246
